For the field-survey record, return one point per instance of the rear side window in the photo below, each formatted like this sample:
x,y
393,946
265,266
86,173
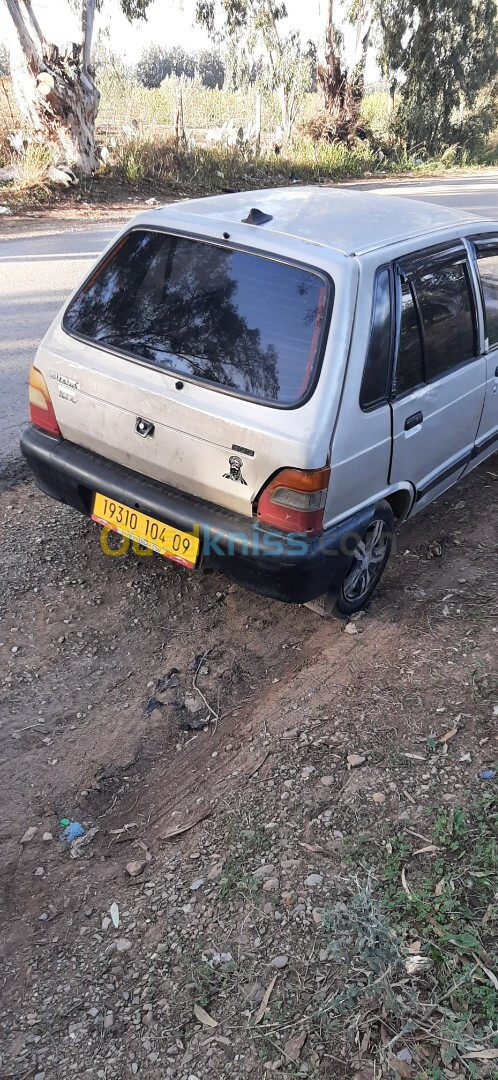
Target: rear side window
x,y
374,387
487,261
241,322
447,311
410,366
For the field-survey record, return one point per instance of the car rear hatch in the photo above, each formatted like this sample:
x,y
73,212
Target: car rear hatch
x,y
194,362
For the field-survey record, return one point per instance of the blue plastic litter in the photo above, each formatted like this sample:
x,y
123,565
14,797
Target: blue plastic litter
x,y
487,774
72,831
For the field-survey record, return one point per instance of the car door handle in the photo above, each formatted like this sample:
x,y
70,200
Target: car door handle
x,y
413,421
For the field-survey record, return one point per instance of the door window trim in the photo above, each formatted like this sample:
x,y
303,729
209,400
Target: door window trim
x,y
482,241
392,331
405,269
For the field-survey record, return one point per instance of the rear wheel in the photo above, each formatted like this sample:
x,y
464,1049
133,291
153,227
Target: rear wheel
x,y
368,563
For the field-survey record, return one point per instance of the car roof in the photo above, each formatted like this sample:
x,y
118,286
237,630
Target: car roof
x,y
349,221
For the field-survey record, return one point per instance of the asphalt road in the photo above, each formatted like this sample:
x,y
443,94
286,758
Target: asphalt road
x,y
38,272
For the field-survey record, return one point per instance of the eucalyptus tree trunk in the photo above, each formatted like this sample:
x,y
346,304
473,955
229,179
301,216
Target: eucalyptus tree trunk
x,y
54,88
331,78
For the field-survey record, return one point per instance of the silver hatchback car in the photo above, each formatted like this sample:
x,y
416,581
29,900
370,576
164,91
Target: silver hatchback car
x,y
266,382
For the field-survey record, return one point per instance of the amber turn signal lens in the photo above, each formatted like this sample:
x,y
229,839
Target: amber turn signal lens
x,y
41,410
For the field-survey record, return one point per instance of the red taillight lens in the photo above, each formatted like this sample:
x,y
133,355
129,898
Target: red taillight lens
x,y
40,405
295,500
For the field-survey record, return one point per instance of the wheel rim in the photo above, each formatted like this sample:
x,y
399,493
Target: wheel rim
x,y
367,563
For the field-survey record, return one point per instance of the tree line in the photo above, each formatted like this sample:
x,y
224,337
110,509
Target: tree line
x,y
439,60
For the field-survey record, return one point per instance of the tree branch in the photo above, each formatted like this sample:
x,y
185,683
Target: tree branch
x,y
35,24
28,46
87,20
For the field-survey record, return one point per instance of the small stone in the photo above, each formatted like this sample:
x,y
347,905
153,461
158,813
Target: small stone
x,y
327,781
318,916
265,871
270,884
279,962
197,884
47,836
40,871
194,703
134,1068
355,760
313,880
215,871
123,944
108,1021
133,869
378,797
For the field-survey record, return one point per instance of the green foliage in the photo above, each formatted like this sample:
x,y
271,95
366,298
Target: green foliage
x,y
261,51
441,53
157,63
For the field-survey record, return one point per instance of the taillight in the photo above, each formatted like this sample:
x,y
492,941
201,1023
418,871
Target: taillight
x,y
295,500
40,404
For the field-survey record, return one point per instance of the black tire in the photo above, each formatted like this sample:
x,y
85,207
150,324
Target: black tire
x,y
343,602
346,603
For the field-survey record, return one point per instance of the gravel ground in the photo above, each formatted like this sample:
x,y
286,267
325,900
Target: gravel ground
x,y
248,768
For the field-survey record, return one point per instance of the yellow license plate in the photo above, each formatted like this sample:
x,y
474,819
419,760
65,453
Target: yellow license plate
x,y
179,546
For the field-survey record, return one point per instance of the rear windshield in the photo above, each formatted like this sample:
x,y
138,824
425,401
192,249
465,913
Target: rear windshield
x,y
242,322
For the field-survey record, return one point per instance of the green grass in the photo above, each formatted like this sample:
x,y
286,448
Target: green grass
x,y
446,899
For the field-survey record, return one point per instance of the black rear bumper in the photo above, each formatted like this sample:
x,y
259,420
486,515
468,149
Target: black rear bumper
x,y
287,566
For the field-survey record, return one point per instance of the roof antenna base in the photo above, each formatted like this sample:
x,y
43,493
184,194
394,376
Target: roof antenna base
x,y
256,217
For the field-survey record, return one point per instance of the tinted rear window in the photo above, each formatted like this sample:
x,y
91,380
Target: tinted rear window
x,y
248,324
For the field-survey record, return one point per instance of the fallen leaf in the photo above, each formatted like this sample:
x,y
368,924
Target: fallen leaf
x,y
429,849
350,628
114,913
264,1001
487,971
448,735
438,891
355,760
378,797
170,834
402,1068
203,1017
29,834
294,1046
482,1055
316,849
405,884
416,757
414,948
417,965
